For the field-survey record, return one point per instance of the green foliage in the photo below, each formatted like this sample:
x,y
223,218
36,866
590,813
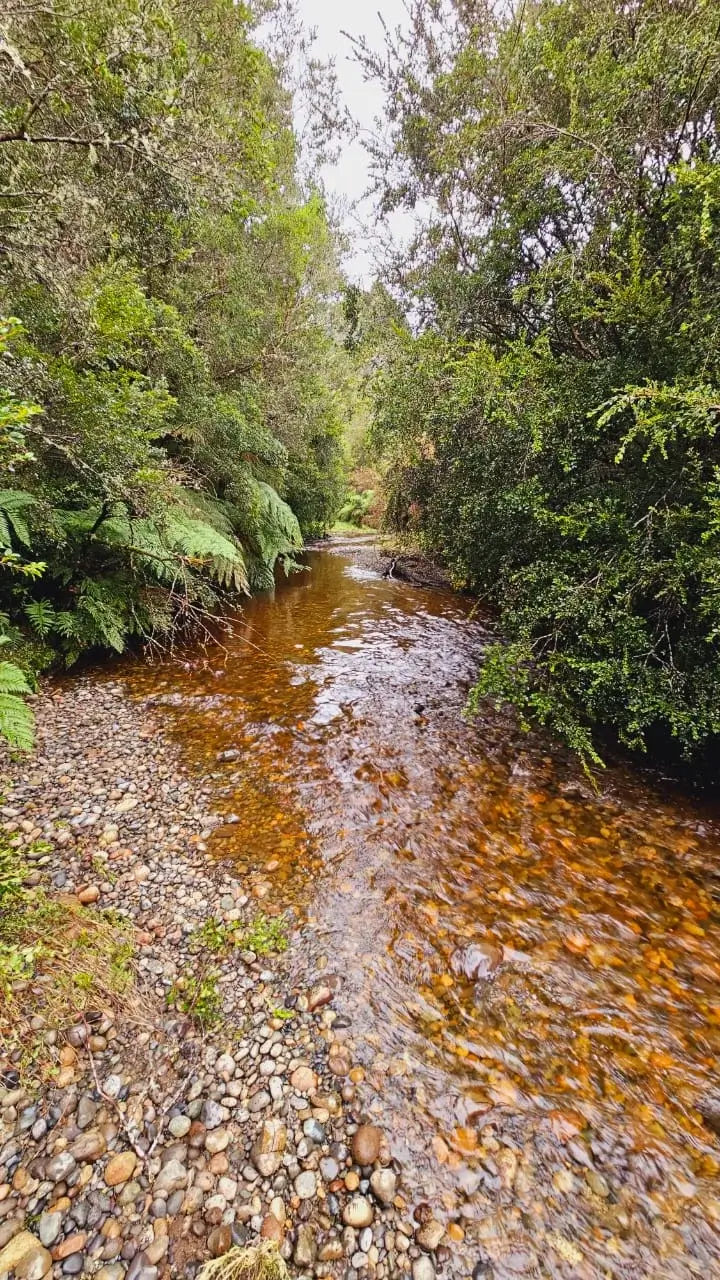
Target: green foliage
x,y
12,870
16,719
264,935
174,390
356,507
552,427
88,953
198,996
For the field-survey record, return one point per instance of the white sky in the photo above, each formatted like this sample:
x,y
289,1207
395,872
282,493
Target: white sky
x,y
348,179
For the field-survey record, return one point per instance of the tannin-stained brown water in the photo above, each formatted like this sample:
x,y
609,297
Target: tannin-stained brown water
x,y
529,970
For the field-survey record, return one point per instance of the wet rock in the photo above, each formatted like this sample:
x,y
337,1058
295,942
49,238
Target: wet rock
x,y
319,995
25,1257
478,960
709,1108
339,1060
430,1234
366,1144
358,1212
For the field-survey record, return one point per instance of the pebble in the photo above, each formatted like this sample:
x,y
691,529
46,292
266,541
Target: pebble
x,y
179,1126
267,1151
383,1183
366,1144
430,1234
49,1227
305,1250
358,1212
120,1168
423,1269
60,1167
212,1114
26,1257
306,1185
172,1177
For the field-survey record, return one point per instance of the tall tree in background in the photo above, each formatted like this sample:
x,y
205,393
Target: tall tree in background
x,y
553,426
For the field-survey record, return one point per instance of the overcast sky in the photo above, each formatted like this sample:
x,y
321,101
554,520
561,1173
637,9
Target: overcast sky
x,y
348,179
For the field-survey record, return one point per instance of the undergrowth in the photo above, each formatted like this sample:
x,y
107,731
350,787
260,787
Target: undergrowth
x,y
264,935
195,992
59,961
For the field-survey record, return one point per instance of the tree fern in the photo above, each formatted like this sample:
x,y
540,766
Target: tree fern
x,y
268,529
16,719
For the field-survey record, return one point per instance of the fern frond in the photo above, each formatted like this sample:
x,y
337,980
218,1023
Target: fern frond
x,y
12,679
41,614
17,722
12,504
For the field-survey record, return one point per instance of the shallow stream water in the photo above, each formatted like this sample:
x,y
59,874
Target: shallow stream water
x,y
529,970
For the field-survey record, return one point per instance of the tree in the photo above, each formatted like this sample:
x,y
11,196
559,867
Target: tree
x,y
553,426
174,284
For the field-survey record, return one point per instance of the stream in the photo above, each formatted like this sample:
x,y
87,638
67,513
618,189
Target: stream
x,y
527,970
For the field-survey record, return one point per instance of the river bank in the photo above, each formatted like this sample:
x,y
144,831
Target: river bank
x,y
136,1142
513,974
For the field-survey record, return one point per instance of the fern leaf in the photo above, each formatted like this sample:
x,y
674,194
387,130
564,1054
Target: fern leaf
x,y
12,504
42,616
16,719
17,723
12,679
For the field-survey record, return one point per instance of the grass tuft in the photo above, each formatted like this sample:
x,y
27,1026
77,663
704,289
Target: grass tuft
x,y
256,1262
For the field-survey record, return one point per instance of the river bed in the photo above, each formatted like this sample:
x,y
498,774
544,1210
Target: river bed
x,y
527,969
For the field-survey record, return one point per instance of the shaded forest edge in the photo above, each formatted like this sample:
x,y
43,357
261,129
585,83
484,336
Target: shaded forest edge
x,y
176,388
549,422
533,383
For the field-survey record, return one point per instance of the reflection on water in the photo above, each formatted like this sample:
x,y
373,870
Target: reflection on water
x,y
530,971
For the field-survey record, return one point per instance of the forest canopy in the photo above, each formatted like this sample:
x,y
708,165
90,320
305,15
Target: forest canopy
x,y
551,424
173,391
